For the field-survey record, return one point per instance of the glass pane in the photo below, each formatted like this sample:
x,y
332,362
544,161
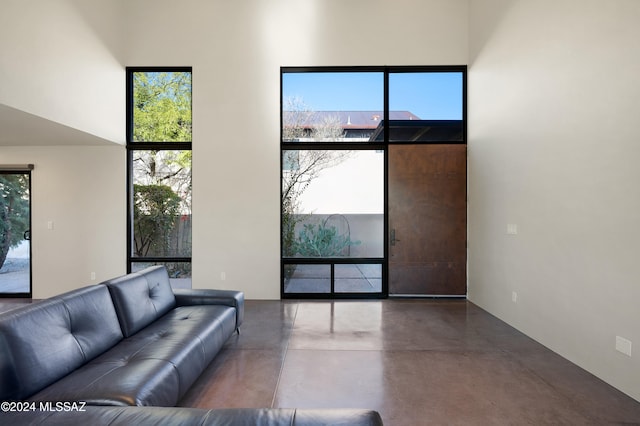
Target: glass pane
x,y
425,106
362,278
15,234
162,107
332,203
179,272
307,278
331,106
161,203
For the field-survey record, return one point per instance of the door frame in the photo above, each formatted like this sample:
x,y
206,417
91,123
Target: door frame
x,y
27,170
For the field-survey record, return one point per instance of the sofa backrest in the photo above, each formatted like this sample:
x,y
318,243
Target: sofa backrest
x,y
141,297
42,342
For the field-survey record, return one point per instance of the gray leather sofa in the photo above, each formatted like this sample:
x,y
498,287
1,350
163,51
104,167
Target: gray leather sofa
x,y
148,416
130,341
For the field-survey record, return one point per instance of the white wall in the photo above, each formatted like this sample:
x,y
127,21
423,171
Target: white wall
x,y
63,87
553,110
81,190
236,50
54,65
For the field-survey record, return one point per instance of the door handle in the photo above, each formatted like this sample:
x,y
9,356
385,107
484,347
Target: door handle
x,y
393,237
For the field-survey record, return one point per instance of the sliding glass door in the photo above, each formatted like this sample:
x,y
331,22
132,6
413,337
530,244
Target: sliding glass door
x,y
15,233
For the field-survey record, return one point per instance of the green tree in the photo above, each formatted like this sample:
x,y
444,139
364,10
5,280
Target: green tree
x,y
154,213
14,211
301,167
162,178
162,113
167,167
162,107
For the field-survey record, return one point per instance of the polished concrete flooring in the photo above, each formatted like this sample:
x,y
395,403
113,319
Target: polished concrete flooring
x,y
418,362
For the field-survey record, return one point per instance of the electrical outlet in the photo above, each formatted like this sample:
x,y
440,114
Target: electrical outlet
x,y
514,297
223,276
623,345
93,276
512,229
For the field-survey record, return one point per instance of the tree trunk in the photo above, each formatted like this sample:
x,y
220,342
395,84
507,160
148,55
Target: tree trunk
x,y
5,237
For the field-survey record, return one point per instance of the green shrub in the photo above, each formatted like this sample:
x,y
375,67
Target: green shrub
x,y
321,241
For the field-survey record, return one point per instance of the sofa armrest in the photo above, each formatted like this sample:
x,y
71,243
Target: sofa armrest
x,y
235,299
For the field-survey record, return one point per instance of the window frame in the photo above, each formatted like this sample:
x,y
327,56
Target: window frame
x,y
361,145
23,170
131,147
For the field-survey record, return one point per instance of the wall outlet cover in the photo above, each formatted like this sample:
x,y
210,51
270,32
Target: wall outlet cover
x,y
623,345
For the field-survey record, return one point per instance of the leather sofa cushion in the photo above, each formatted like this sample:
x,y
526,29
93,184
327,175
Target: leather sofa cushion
x,y
45,341
147,416
156,366
141,297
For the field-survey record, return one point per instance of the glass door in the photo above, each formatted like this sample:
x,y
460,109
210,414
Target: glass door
x,y
15,233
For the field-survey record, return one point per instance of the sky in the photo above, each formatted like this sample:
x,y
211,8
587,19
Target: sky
x,y
430,96
356,186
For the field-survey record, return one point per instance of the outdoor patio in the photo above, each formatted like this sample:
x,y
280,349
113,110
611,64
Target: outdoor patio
x,y
349,278
14,276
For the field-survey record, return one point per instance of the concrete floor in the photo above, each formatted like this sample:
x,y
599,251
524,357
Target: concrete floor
x,y
417,362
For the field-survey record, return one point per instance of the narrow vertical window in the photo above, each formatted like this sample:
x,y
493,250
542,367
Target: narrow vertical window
x,y
159,140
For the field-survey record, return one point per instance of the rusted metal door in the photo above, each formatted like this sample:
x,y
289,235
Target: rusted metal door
x,y
427,220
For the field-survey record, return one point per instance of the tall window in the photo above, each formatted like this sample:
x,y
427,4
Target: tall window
x,y
332,183
159,170
337,126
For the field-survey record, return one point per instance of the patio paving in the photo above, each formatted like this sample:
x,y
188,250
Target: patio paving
x,y
14,276
348,279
